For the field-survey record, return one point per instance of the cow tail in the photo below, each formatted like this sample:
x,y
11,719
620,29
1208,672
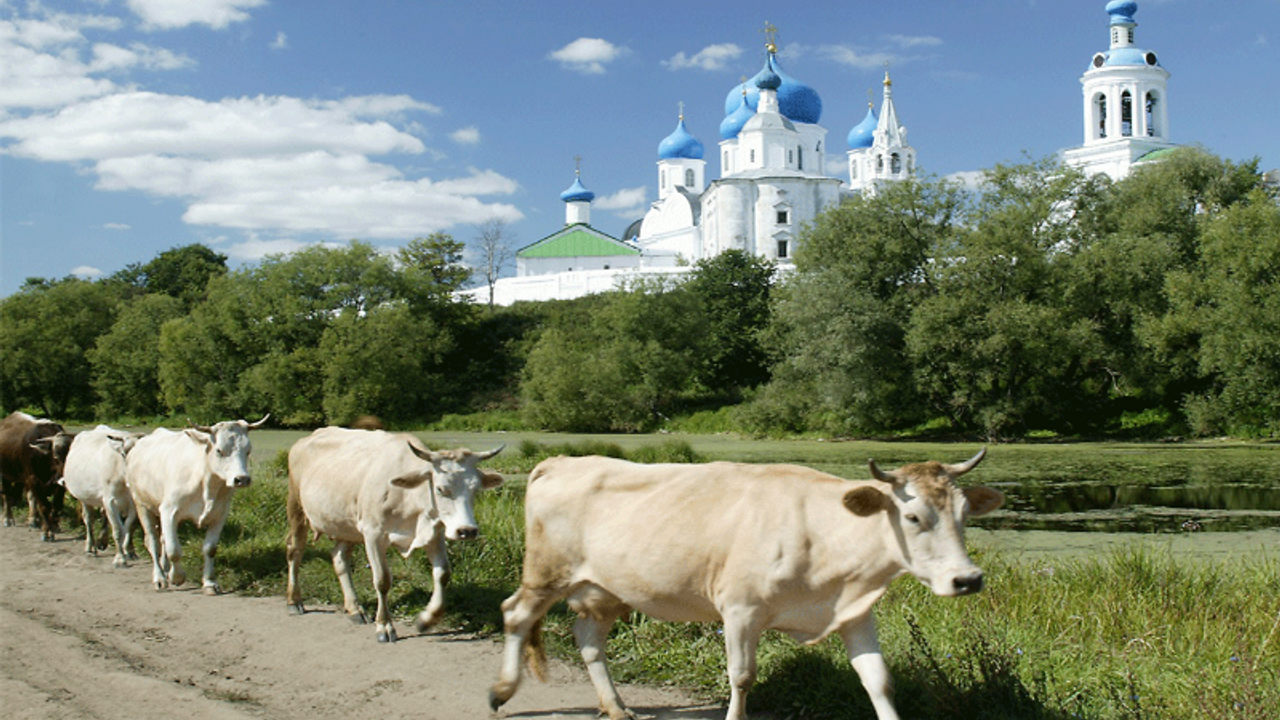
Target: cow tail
x,y
535,652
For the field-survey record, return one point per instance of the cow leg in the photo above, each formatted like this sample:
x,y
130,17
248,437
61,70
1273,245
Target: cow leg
x,y
151,533
172,546
86,513
295,546
130,521
376,549
597,613
111,508
522,617
210,551
741,638
440,574
342,568
864,653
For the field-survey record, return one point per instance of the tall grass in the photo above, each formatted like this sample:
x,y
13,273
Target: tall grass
x,y
1128,635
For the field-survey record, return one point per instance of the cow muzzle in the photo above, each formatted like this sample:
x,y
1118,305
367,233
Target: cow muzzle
x,y
967,584
466,533
241,481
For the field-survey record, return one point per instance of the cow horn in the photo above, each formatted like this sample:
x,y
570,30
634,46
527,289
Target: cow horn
x,y
255,426
206,429
967,465
879,474
491,453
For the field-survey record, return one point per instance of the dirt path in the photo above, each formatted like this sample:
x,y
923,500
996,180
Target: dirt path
x,y
79,640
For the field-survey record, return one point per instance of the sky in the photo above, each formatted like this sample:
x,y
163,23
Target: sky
x,y
129,127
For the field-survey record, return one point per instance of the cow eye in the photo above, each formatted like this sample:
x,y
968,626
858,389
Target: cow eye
x,y
444,491
912,518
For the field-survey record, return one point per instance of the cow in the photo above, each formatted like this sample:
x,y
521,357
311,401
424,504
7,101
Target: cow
x,y
31,456
385,490
754,546
188,475
94,474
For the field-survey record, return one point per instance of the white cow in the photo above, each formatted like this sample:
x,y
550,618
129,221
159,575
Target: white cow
x,y
754,546
94,473
382,489
187,475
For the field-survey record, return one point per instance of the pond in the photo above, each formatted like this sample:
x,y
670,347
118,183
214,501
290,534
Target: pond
x,y
1093,507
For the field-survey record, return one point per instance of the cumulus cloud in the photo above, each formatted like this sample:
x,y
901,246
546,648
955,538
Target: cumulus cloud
x,y
712,57
172,14
854,57
466,136
588,55
627,202
117,226
86,272
911,41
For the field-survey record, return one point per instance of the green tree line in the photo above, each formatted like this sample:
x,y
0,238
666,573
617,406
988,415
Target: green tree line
x,y
1040,301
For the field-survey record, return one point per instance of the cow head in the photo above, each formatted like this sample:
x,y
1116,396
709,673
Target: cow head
x,y
455,480
227,448
52,450
927,512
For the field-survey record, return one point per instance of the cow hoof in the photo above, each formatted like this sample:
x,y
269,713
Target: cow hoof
x,y
357,618
212,590
297,609
387,637
495,701
119,563
426,620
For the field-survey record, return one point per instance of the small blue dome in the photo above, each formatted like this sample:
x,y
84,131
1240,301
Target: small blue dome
x,y
733,122
1121,11
767,79
797,101
577,192
680,144
863,134
1130,56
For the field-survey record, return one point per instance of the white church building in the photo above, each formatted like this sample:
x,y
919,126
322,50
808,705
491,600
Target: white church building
x,y
773,177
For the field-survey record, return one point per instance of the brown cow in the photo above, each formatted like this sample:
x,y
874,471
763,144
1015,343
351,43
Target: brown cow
x,y
31,455
755,546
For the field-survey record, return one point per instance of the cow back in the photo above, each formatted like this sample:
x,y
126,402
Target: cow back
x,y
95,466
167,466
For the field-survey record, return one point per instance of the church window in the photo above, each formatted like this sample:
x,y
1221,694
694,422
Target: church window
x,y
688,178
782,248
1126,114
879,164
800,158
753,154
1151,114
895,163
1100,103
853,170
662,179
791,156
726,162
784,217
1130,36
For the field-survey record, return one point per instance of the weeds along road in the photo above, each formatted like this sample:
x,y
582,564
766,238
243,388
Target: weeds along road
x,y
79,639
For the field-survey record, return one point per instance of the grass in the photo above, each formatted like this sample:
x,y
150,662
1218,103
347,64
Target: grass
x,y
1129,634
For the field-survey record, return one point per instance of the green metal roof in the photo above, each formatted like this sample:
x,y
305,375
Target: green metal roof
x,y
577,241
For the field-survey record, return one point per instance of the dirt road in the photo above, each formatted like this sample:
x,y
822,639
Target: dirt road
x,y
79,640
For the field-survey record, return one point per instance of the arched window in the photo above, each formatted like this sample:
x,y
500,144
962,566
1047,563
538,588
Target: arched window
x,y
662,179
800,158
1151,114
895,163
688,177
853,169
879,164
1100,112
1126,114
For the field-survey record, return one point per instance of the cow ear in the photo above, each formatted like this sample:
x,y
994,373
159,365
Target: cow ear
x,y
865,501
489,480
44,446
199,436
983,500
409,482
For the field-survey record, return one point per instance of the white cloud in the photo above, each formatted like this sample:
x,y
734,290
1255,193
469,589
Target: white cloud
x,y
117,226
86,272
588,55
626,202
853,57
255,249
172,14
280,43
466,136
712,57
910,41
970,179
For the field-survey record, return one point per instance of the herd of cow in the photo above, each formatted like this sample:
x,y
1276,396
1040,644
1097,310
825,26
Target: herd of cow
x,y
756,547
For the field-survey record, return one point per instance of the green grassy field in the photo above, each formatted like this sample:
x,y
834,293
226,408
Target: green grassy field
x,y
1117,630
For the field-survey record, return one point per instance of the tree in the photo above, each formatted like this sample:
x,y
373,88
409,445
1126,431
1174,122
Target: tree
x,y
126,360
433,269
838,331
734,290
493,246
46,330
620,361
181,272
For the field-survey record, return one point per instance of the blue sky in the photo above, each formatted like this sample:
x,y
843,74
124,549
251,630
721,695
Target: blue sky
x,y
128,127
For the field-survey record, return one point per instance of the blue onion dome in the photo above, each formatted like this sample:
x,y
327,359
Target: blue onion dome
x,y
680,144
797,101
863,134
767,79
577,192
733,122
1122,11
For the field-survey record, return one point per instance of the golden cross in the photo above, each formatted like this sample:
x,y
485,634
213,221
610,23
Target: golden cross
x,y
770,36
577,164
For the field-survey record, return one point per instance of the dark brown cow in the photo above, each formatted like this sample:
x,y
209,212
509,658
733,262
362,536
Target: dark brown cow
x,y
31,455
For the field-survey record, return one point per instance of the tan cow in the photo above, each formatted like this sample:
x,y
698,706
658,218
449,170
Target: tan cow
x,y
755,546
94,473
188,475
382,489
